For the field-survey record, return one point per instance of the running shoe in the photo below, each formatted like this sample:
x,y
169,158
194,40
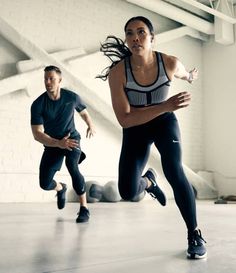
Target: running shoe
x,y
83,215
61,196
196,245
154,190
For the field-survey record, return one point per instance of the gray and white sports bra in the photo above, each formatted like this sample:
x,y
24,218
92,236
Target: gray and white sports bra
x,y
147,95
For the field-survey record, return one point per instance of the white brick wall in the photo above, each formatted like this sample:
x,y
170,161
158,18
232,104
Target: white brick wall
x,y
21,154
57,25
189,51
219,115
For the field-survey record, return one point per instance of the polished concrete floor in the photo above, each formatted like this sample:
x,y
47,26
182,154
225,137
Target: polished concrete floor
x,y
121,237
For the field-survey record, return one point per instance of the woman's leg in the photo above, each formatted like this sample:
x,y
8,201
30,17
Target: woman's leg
x,y
169,145
133,158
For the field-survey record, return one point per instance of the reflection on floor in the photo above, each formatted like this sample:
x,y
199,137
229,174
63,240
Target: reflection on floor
x,y
121,237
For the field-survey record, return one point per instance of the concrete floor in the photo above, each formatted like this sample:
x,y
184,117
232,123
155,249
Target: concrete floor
x,y
120,237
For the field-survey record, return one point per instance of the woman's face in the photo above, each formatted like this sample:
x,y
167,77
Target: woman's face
x,y
138,37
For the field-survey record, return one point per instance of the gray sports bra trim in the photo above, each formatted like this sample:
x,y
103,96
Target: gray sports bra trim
x,y
146,95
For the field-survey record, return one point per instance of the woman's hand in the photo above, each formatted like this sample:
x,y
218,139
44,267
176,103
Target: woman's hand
x,y
177,101
193,75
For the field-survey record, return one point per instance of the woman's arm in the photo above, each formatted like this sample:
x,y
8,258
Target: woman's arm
x,y
183,74
175,68
129,116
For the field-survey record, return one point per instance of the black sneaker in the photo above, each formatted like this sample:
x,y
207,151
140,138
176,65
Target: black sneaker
x,y
83,215
154,190
82,157
61,196
196,245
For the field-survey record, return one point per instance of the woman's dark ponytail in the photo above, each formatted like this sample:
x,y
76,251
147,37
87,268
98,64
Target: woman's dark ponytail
x,y
116,50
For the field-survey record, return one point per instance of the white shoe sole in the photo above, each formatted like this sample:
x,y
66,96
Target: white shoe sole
x,y
196,256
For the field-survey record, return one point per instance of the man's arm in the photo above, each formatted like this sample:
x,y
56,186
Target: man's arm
x,y
64,143
87,119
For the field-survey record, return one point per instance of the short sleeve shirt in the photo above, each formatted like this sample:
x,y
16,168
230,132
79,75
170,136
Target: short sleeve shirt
x,y
57,116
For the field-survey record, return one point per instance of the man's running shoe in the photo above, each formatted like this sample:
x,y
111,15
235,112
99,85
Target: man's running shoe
x,y
154,190
196,245
83,215
61,196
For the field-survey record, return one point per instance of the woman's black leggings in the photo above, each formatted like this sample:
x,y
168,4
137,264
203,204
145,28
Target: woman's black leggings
x,y
51,162
164,132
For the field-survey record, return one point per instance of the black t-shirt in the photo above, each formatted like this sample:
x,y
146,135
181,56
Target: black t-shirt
x,y
57,116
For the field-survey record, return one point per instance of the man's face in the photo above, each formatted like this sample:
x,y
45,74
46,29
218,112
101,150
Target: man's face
x,y
52,81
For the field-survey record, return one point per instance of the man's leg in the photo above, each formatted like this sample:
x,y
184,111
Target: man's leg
x,y
78,183
50,163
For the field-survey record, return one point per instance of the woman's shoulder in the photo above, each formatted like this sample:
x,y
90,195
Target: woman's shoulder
x,y
118,69
117,74
169,60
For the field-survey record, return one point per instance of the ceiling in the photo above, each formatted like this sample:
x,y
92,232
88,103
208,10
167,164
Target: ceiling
x,y
207,17
207,2
199,12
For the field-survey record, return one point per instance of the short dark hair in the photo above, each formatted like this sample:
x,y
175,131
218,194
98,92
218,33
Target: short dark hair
x,y
52,68
145,20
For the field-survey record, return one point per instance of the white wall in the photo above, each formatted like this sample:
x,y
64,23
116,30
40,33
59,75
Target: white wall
x,y
189,52
9,56
59,25
54,26
219,100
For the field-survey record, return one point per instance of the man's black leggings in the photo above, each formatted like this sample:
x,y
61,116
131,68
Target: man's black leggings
x,y
51,162
164,132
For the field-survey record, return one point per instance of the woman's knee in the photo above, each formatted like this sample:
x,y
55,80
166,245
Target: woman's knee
x,y
127,193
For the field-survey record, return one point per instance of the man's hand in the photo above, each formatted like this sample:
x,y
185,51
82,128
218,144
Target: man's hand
x,y
90,132
68,143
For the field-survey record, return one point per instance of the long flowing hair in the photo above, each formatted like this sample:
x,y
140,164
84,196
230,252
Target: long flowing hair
x,y
115,49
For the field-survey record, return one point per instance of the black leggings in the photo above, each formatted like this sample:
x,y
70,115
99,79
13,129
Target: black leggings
x,y
51,162
164,132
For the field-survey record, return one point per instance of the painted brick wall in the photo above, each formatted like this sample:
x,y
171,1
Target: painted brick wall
x,y
57,25
189,52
